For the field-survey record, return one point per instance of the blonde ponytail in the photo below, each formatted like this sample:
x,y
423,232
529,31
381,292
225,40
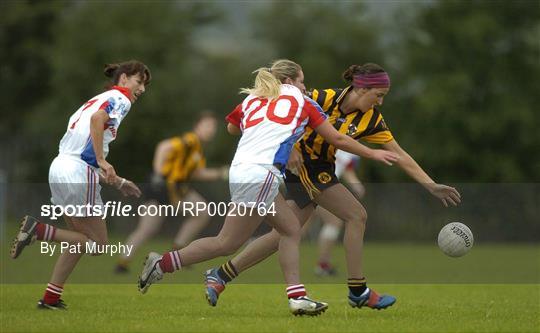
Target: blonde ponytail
x,y
268,80
266,84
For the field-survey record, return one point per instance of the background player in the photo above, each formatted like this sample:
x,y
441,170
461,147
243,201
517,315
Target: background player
x,y
75,173
177,161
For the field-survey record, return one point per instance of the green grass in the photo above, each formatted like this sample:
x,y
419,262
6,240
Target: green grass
x,y
495,288
262,308
389,263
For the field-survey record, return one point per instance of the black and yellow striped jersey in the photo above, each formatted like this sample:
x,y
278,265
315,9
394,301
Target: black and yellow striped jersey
x,y
368,126
185,157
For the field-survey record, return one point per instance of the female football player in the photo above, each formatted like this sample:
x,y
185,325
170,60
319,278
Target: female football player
x,y
75,173
272,117
353,111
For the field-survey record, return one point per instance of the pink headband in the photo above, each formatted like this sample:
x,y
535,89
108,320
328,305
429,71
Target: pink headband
x,y
375,80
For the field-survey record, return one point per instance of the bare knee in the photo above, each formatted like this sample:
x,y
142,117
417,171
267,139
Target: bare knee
x,y
357,216
80,241
275,238
291,230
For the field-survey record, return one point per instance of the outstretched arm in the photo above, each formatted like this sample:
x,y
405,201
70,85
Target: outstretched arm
x,y
343,142
447,194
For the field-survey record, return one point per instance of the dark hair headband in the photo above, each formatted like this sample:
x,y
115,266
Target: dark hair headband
x,y
375,80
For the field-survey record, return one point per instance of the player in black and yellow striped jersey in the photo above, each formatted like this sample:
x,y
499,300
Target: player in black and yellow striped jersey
x,y
319,172
311,181
176,158
368,126
177,161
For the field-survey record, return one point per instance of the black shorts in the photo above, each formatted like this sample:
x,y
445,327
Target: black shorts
x,y
166,193
314,177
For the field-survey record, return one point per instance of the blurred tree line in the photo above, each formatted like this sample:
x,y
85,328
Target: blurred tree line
x,y
465,75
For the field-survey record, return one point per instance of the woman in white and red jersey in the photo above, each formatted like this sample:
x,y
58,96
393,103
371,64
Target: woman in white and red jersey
x,y
271,118
74,175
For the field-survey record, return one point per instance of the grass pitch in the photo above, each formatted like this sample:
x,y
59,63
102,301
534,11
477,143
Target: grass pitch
x,y
262,308
495,288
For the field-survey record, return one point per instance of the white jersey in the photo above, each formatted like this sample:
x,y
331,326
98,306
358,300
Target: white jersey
x,y
345,160
271,128
77,141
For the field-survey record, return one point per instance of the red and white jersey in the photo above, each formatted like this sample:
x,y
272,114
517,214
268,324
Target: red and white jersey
x,y
77,141
271,128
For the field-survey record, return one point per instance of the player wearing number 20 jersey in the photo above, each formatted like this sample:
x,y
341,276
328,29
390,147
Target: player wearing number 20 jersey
x,y
270,128
272,117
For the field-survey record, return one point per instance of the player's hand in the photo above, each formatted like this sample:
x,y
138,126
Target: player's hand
x,y
447,194
295,161
128,188
108,172
384,156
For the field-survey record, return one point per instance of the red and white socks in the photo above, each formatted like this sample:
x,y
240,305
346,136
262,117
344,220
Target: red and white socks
x,y
296,290
45,232
52,294
170,262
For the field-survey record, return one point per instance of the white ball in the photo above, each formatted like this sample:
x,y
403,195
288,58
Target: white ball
x,y
455,239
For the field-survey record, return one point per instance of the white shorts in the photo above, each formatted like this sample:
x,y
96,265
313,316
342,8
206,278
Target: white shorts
x,y
251,184
74,183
